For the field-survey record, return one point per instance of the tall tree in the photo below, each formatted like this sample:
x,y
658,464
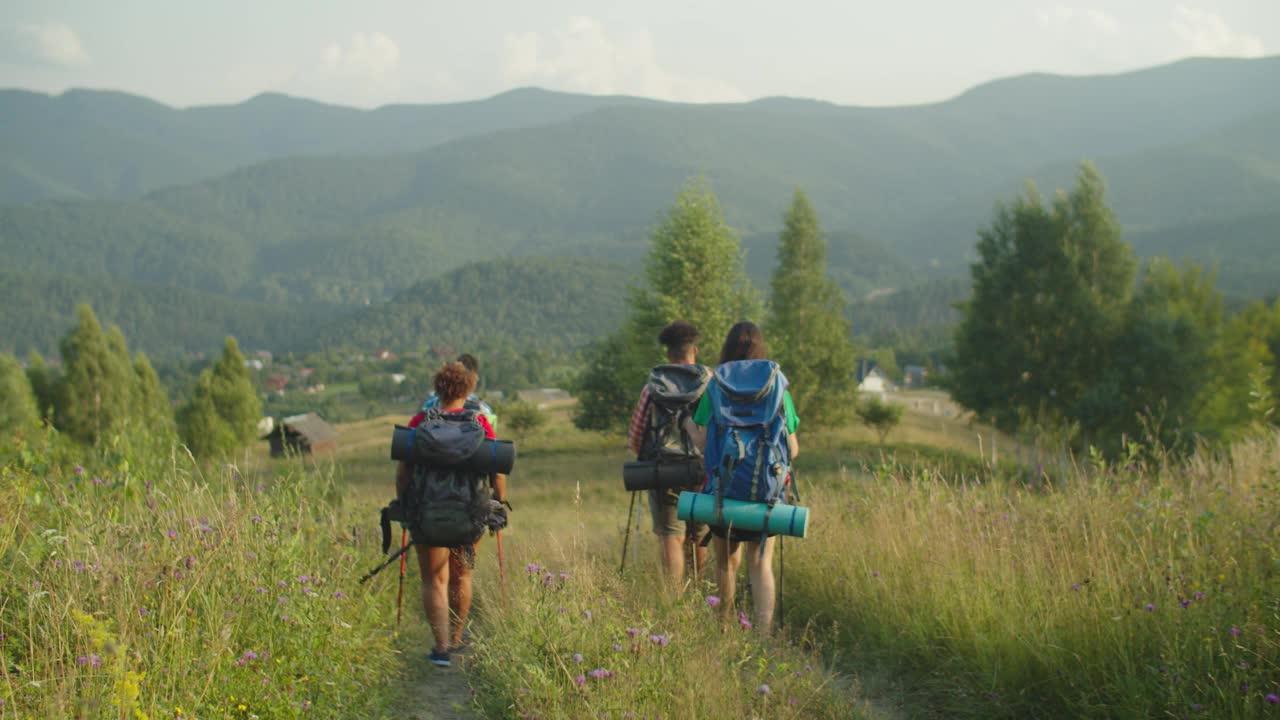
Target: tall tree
x,y
151,402
44,384
1049,291
95,394
223,413
1249,341
18,408
807,330
1160,362
694,271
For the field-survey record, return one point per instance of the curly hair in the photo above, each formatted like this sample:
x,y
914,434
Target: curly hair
x,y
453,381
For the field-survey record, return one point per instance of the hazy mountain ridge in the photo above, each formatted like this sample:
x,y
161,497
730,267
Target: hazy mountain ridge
x,y
900,190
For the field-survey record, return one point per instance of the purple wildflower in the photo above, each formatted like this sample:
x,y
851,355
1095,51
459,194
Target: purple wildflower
x,y
79,470
633,632
586,614
142,612
250,655
743,620
256,518
172,534
617,647
260,589
1272,699
304,579
763,690
1235,631
580,680
875,573
339,595
1198,595
1185,604
1149,607
1075,586
713,601
79,566
601,673
577,657
97,481
659,640
564,576
283,583
533,568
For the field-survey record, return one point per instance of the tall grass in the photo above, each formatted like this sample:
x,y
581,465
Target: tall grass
x,y
135,584
1147,590
572,637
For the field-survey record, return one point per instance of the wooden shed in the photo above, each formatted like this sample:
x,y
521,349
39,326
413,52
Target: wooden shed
x,y
305,434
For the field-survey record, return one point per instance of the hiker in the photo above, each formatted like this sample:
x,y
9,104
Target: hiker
x,y
658,429
473,402
744,344
446,571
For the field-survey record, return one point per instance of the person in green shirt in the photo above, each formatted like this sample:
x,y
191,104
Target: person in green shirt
x,y
745,342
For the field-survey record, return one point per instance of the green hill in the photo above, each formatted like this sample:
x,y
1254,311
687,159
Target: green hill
x,y
549,304
901,191
90,143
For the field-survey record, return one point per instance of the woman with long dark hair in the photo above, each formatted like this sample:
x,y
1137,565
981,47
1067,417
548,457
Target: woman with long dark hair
x,y
745,342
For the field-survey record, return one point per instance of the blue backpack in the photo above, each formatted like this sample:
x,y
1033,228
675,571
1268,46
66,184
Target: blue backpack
x,y
746,456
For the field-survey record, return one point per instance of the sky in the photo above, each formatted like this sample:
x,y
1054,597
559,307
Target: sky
x,y
377,52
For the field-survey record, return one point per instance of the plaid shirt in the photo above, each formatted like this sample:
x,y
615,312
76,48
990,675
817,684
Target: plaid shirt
x,y
639,419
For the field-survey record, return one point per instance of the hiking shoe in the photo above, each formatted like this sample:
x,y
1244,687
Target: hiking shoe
x,y
439,659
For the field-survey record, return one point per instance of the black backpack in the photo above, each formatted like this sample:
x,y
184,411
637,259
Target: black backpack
x,y
674,392
447,505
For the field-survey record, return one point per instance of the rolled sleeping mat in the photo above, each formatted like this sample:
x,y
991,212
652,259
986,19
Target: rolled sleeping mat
x,y
781,519
493,456
654,475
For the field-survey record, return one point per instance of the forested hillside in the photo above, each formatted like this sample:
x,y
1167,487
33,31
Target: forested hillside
x,y
532,303
87,143
1188,149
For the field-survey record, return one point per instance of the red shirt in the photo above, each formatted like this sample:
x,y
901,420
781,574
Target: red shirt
x,y
484,422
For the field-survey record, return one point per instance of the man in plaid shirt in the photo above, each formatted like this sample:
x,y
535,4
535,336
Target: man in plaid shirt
x,y
681,340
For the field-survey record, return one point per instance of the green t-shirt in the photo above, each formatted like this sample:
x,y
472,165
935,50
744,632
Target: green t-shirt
x,y
702,416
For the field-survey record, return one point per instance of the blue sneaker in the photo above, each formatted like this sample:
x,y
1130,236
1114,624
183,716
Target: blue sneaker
x,y
439,659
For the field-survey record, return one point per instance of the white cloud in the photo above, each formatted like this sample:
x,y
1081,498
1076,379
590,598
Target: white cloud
x,y
1090,19
1207,34
583,57
365,70
51,43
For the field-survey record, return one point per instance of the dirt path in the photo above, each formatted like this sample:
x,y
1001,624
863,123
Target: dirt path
x,y
437,693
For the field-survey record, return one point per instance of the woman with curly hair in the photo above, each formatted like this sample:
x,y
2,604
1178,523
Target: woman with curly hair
x,y
446,571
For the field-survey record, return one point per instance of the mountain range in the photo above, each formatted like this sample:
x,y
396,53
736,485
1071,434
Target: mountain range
x,y
283,203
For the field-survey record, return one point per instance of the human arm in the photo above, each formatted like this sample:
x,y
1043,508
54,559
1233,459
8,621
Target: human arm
x,y
639,418
793,445
696,425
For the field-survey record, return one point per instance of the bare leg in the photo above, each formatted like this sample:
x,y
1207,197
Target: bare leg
x,y
760,571
459,595
728,556
672,560
433,563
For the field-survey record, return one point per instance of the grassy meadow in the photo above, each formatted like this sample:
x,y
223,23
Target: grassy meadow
x,y
137,584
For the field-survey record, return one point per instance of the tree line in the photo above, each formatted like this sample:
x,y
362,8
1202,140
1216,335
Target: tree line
x,y
100,392
1060,334
694,271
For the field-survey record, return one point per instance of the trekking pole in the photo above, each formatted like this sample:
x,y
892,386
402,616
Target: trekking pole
x,y
502,569
626,538
404,548
399,554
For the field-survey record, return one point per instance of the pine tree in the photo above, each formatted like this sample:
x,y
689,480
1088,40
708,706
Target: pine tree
x,y
807,332
151,406
18,409
95,394
223,413
695,272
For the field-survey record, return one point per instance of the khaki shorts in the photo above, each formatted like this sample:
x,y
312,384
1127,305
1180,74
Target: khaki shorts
x,y
662,506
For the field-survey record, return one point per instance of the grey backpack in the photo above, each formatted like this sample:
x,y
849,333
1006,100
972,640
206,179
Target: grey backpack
x,y
447,505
